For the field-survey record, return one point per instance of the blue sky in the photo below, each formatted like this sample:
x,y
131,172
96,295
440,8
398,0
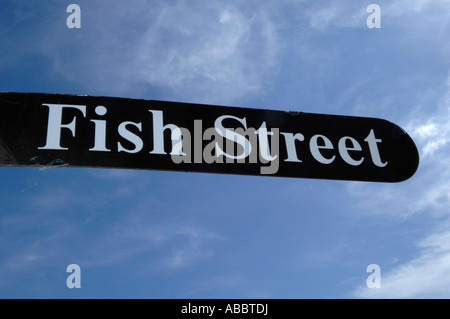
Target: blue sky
x,y
154,234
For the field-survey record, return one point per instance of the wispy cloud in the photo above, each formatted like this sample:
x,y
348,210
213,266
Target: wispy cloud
x,y
429,188
113,174
433,132
425,276
92,237
337,14
161,245
416,14
207,52
216,51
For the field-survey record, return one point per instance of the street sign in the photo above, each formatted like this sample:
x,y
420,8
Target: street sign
x,y
52,130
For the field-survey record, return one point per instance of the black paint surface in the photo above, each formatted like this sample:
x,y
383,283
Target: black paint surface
x,y
24,118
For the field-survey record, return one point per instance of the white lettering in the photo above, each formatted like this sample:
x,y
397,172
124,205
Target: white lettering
x,y
131,137
100,131
264,142
343,150
158,135
290,146
315,149
54,125
372,141
232,136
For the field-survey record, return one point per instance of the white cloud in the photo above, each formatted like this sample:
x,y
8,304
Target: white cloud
x,y
426,130
53,199
22,260
214,53
425,276
337,14
322,17
165,245
428,190
413,14
398,8
433,134
208,52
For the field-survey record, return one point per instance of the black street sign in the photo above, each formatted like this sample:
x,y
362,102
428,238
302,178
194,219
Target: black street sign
x,y
85,131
